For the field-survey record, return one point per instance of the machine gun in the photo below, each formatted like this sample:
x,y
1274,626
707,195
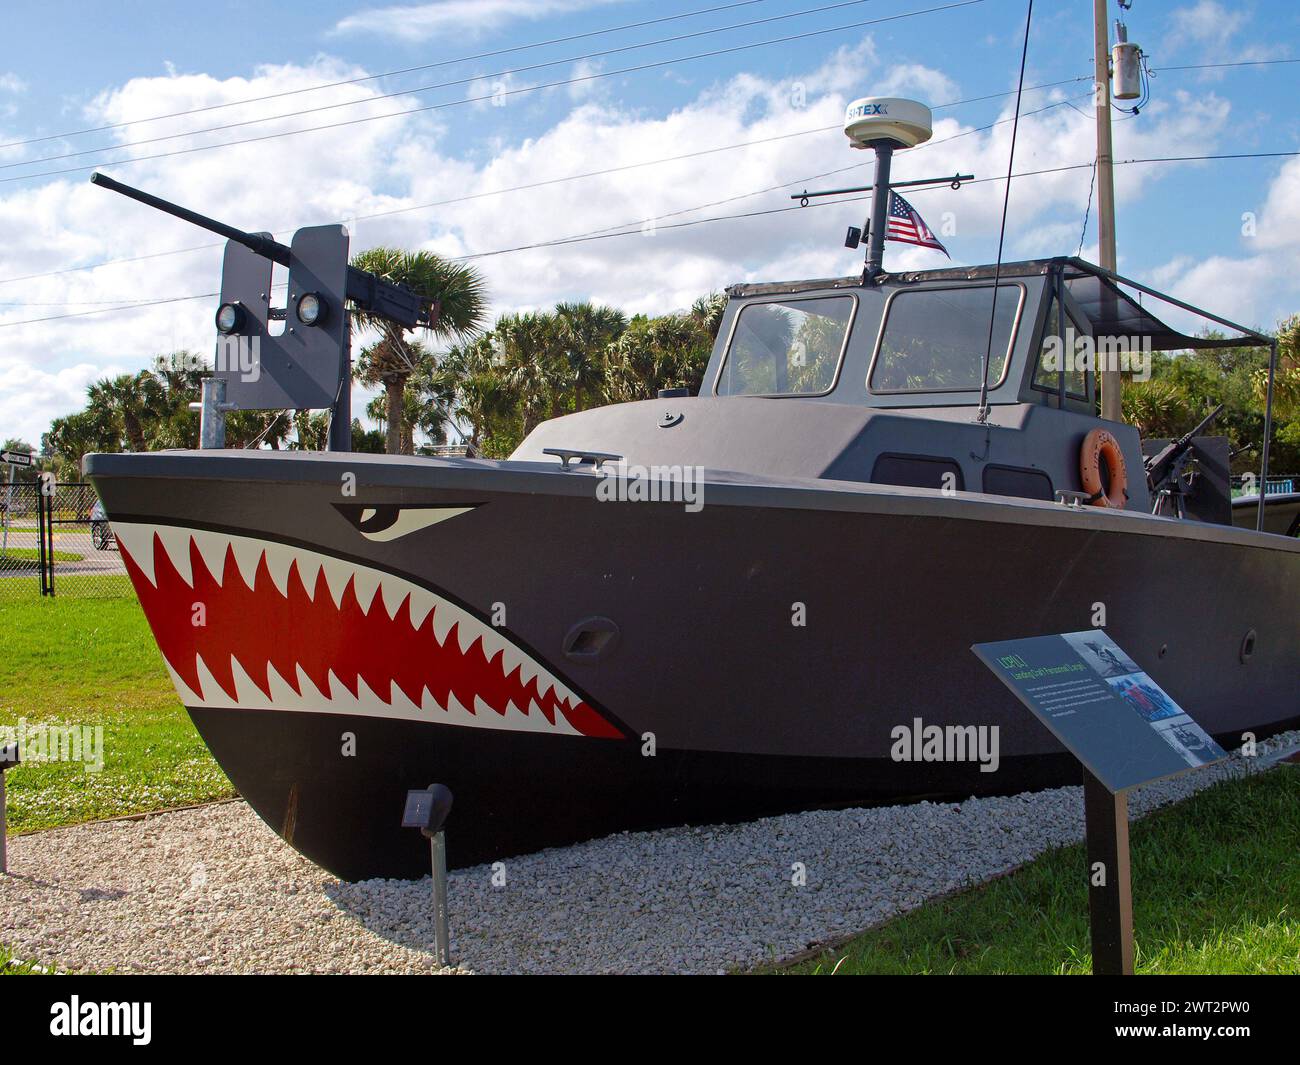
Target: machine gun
x,y
384,299
306,364
1167,470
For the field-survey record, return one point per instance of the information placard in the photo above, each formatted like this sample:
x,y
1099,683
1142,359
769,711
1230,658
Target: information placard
x,y
1096,700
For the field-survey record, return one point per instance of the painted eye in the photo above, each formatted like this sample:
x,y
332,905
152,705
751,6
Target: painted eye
x,y
391,522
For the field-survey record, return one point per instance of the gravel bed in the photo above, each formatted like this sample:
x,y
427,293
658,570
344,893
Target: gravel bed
x,y
213,890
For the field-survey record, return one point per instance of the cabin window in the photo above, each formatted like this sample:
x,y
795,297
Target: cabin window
x,y
934,339
791,347
1017,481
1054,352
918,471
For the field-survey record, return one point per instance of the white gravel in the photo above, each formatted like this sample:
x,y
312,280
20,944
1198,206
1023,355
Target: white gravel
x,y
213,890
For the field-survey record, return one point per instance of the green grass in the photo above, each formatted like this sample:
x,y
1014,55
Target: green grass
x,y
72,661
97,585
31,554
1216,880
8,967
66,586
1216,889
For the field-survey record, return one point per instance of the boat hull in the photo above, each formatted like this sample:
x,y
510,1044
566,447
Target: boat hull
x,y
516,792
754,656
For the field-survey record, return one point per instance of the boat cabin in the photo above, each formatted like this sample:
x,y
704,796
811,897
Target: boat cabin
x,y
880,381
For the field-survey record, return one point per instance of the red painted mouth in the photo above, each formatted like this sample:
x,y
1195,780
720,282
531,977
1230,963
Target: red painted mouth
x,y
257,624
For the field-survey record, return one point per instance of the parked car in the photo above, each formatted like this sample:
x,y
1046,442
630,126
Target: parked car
x,y
101,533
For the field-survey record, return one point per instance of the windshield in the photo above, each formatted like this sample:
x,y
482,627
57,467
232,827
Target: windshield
x,y
791,347
934,339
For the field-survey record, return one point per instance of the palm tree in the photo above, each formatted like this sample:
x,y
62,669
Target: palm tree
x,y
473,377
1157,408
135,401
527,354
708,310
379,363
462,304
586,330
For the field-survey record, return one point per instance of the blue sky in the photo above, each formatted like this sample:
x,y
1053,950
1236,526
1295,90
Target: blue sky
x,y
73,67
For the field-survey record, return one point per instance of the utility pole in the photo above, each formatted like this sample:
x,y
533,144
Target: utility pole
x,y
1111,408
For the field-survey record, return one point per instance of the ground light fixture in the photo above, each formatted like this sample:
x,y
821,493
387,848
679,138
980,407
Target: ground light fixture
x,y
9,756
230,317
312,308
427,810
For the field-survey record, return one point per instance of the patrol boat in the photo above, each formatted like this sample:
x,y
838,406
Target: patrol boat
x,y
877,472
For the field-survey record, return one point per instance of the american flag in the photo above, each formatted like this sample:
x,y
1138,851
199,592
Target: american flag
x,y
907,225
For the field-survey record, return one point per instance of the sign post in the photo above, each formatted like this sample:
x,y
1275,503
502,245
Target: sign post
x,y
1110,890
1125,730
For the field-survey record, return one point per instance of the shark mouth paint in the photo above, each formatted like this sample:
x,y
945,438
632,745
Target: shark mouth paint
x,y
251,624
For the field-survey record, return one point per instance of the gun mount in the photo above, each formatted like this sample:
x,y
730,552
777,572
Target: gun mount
x,y
304,363
1169,471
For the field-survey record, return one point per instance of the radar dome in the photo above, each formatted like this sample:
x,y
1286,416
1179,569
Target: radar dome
x,y
904,123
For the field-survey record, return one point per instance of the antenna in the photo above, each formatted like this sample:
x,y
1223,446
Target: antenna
x,y
884,124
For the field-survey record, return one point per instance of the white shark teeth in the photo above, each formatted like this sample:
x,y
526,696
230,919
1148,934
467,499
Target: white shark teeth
x,y
511,659
212,549
337,575
308,565
365,582
138,541
177,544
278,560
444,617
421,603
248,554
371,587
393,594
494,645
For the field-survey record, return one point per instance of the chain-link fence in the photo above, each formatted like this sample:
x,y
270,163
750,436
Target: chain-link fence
x,y
55,540
22,540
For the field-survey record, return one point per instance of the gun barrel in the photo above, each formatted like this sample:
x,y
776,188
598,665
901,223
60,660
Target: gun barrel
x,y
1186,438
258,242
380,297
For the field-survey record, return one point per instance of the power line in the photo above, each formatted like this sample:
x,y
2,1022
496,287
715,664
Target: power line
x,y
1239,63
855,199
536,184
430,88
1002,229
384,74
828,173
594,76
204,247
703,221
622,225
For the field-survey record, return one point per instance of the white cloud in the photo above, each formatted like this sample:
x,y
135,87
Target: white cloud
x,y
1250,286
585,83
422,22
12,83
388,165
1204,22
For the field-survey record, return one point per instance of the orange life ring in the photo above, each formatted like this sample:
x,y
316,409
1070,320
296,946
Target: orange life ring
x,y
1098,446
